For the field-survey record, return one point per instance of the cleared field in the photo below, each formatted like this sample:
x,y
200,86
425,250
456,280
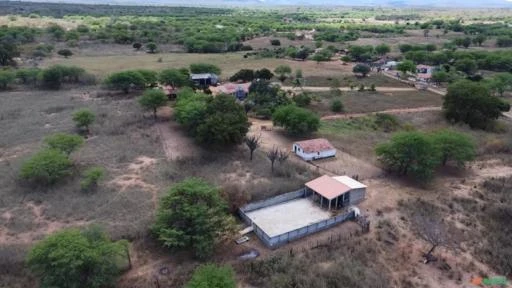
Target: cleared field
x,y
228,62
286,217
367,101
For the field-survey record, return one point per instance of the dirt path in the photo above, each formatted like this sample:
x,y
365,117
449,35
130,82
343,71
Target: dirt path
x,y
390,111
323,89
174,141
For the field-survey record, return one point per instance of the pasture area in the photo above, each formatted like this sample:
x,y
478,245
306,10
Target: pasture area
x,y
369,101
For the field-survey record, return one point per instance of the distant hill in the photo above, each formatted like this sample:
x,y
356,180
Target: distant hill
x,y
391,3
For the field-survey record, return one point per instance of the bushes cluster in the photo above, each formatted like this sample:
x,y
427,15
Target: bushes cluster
x,y
417,154
296,120
264,98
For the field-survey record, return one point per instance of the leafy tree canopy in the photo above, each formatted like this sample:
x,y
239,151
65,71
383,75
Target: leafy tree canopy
x,y
76,259
47,167
296,120
65,143
471,103
204,68
152,99
192,215
454,146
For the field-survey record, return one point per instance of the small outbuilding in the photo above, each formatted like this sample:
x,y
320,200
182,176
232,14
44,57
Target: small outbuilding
x,y
314,149
336,192
204,80
239,90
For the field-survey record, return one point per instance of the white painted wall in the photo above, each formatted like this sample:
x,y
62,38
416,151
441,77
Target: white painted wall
x,y
313,156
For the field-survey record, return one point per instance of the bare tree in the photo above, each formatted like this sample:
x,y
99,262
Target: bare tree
x,y
283,156
273,155
426,32
252,142
435,231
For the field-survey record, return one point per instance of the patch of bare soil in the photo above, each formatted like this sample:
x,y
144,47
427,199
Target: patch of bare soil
x,y
42,225
390,111
176,143
134,178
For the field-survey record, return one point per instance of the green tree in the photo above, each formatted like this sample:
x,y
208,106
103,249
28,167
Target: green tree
x,y
65,52
466,65
137,46
479,39
362,69
225,123
283,72
125,80
83,119
65,143
52,77
153,99
409,154
6,78
151,47
382,49
212,276
204,68
28,75
406,66
466,42
150,77
264,74
76,259
47,167
302,99
173,77
454,146
192,215
336,106
296,120
244,75
8,50
472,103
440,77
500,83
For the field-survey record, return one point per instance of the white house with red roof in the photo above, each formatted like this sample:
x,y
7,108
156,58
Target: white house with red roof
x,y
314,149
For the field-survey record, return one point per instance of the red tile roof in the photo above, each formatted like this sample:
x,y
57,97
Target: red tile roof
x,y
328,187
315,145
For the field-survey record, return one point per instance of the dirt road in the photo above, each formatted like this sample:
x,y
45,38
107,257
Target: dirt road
x,y
390,111
324,89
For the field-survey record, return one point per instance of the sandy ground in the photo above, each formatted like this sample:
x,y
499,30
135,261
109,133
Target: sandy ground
x,y
288,216
390,111
326,89
176,143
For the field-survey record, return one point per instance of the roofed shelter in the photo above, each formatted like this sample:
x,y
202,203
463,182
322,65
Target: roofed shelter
x,y
338,191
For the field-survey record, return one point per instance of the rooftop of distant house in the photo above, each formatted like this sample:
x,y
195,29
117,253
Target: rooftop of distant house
x,y
315,145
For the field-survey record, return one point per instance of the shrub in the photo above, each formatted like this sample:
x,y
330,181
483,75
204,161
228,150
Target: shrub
x,y
125,80
51,77
151,47
6,78
204,68
28,75
283,71
83,119
361,69
336,106
137,46
275,42
263,74
212,276
173,77
245,75
65,143
296,120
302,100
191,215
91,178
153,99
47,167
77,259
387,122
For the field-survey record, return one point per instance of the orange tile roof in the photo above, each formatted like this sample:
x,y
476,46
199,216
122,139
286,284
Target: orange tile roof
x,y
328,187
315,145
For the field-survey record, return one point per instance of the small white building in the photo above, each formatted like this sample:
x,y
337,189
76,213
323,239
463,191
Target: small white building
x,y
314,149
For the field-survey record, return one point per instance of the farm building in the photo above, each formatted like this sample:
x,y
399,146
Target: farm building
x,y
336,192
314,149
204,79
290,216
239,90
424,72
